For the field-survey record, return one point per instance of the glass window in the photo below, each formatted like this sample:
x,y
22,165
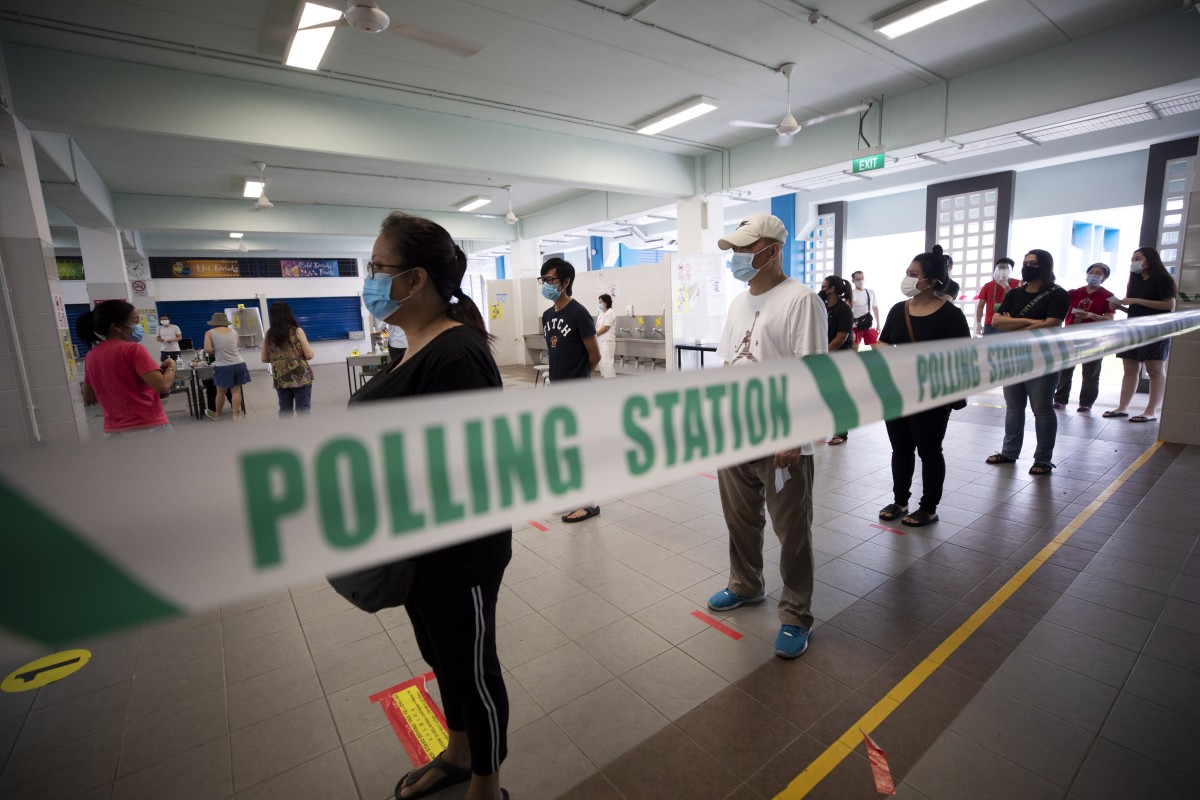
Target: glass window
x,y
1172,220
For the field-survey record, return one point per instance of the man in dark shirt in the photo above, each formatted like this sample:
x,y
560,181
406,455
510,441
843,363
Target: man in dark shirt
x,y
1039,303
570,339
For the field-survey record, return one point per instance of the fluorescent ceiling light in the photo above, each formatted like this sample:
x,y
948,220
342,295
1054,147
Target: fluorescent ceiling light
x,y
678,115
311,36
236,235
252,188
920,14
474,203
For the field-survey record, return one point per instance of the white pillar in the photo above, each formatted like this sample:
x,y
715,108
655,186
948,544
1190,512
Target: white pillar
x,y
701,222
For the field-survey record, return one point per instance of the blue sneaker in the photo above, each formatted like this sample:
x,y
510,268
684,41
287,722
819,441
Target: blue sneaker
x,y
792,641
726,600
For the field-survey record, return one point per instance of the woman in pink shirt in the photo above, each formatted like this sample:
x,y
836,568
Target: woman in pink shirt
x,y
120,374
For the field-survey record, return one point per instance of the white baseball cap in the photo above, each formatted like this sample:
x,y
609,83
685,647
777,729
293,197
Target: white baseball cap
x,y
753,228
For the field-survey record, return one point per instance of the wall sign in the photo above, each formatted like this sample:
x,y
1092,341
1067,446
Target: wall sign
x,y
205,268
309,269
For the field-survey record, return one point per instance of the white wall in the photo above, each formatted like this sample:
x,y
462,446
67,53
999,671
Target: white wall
x,y
1052,233
883,260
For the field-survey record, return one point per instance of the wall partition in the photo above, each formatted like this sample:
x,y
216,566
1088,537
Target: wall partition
x,y
970,219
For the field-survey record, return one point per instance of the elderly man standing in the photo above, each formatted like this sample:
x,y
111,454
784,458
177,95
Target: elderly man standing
x,y
777,318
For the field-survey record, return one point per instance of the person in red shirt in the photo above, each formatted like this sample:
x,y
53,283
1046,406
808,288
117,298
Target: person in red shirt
x,y
1089,303
120,374
992,295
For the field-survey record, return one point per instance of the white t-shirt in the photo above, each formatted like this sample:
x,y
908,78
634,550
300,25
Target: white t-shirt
x,y
170,332
789,321
397,337
608,318
863,300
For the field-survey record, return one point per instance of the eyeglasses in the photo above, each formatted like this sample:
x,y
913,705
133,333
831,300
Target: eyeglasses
x,y
373,268
552,280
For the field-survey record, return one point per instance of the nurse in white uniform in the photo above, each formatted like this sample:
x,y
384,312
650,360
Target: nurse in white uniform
x,y
606,337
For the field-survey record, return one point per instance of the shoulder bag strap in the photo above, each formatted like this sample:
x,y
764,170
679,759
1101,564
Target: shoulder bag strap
x,y
1034,302
912,337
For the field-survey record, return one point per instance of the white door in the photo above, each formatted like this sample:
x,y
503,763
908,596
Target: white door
x,y
503,322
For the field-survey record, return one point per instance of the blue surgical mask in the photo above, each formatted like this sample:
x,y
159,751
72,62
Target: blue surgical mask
x,y
1095,280
377,295
742,265
551,292
136,332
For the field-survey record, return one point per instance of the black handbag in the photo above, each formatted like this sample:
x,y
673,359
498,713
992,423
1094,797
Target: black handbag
x,y
864,322
375,588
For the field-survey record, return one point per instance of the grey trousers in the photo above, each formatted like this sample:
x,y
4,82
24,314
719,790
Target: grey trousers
x,y
744,487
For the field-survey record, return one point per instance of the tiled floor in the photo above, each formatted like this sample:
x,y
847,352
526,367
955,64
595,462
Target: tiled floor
x,y
1083,684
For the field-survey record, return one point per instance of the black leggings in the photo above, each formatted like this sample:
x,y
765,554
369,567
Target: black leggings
x,y
452,605
924,433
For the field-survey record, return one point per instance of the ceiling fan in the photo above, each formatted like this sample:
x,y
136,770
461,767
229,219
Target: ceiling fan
x,y
511,217
262,203
788,126
368,17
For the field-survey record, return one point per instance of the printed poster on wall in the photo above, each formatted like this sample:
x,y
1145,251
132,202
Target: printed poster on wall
x,y
70,269
309,269
206,268
69,356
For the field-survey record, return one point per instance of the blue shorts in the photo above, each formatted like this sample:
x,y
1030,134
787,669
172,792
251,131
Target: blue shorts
x,y
231,375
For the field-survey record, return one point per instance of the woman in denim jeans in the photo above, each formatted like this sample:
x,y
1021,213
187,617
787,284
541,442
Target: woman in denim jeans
x,y
1039,303
286,349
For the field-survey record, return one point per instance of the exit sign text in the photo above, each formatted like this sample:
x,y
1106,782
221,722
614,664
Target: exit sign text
x,y
868,163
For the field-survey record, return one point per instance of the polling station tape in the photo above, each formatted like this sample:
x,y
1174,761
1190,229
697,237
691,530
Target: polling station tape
x,y
105,537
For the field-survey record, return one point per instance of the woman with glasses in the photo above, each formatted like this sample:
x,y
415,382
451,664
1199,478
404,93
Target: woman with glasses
x,y
414,280
120,374
1039,303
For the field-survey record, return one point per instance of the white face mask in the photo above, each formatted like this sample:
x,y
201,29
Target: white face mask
x,y
1136,266
858,284
908,286
1001,275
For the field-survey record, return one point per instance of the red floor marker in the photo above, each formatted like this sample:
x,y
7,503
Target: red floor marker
x,y
706,475
539,526
896,531
725,629
418,722
879,767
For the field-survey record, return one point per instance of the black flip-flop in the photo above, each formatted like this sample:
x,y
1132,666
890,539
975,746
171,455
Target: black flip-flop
x,y
997,458
919,519
592,511
1142,418
1114,414
895,510
451,776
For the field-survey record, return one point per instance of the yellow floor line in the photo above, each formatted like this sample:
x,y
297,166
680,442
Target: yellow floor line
x,y
825,763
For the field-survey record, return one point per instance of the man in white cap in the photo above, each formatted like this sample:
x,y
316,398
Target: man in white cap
x,y
777,318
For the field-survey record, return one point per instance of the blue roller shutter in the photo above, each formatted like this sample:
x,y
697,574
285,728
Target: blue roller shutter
x,y
324,318
192,316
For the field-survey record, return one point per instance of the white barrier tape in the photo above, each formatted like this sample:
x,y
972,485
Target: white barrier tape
x,y
282,502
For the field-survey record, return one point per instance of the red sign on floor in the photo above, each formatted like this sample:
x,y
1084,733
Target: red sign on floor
x,y
419,723
879,767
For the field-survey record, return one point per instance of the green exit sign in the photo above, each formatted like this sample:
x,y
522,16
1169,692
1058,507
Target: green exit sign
x,y
868,163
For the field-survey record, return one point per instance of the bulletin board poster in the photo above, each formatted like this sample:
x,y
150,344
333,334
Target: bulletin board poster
x,y
69,356
309,269
70,269
206,268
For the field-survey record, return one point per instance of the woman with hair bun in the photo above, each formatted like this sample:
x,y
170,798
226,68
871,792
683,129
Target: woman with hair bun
x,y
413,280
120,374
923,317
1039,303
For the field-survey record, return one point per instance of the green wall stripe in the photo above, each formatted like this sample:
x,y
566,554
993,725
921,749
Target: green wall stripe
x,y
833,392
885,386
57,588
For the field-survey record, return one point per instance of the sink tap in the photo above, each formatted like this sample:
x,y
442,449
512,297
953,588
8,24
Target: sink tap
x,y
657,330
622,330
639,330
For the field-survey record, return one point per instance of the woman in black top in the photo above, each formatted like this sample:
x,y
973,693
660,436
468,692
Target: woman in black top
x,y
414,277
1038,303
839,299
1150,291
932,318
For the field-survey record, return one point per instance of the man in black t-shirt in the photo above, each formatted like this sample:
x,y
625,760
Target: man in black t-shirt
x,y
1039,303
570,339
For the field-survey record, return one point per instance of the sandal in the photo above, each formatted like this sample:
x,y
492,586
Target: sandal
x,y
1114,414
892,511
592,511
1142,418
451,776
1041,469
997,458
837,440
920,519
